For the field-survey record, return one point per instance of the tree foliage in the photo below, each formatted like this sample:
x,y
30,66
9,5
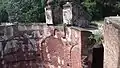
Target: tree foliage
x,y
3,12
25,10
102,8
33,10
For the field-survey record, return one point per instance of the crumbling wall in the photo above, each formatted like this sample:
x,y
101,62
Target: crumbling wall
x,y
20,47
41,46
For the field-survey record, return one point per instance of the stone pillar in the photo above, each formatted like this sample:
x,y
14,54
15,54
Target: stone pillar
x,y
53,15
48,15
74,14
53,12
67,13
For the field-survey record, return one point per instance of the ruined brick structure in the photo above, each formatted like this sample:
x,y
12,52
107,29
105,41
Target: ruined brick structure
x,y
112,42
47,45
69,12
42,46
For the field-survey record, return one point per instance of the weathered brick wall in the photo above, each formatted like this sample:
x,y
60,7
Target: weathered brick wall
x,y
38,45
111,44
64,52
19,45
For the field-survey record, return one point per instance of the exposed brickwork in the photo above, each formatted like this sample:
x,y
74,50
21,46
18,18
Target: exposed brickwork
x,y
42,46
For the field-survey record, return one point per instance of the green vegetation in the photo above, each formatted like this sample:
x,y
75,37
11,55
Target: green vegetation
x,y
33,10
99,9
22,10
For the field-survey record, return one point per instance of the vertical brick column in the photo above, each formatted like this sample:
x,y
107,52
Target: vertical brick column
x,y
111,46
111,42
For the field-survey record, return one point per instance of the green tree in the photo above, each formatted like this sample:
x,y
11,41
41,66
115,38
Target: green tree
x,y
25,10
91,7
99,9
3,12
3,16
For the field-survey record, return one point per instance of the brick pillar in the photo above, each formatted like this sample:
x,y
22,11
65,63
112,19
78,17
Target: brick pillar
x,y
111,42
81,36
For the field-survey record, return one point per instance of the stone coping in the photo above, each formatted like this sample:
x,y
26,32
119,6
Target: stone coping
x,y
39,26
114,20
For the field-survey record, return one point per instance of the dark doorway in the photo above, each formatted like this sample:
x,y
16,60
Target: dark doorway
x,y
98,54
